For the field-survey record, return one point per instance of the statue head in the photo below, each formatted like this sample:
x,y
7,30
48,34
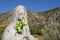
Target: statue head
x,y
20,12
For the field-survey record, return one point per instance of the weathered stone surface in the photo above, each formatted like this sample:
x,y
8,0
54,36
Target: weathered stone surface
x,y
10,32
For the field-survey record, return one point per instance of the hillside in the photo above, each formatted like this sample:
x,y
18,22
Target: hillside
x,y
46,25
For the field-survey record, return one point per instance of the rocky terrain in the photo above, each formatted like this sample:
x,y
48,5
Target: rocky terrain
x,y
43,25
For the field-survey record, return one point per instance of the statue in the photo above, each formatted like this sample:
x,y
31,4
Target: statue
x,y
10,32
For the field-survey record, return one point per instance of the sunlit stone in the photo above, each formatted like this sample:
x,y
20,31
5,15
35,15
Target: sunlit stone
x,y
10,32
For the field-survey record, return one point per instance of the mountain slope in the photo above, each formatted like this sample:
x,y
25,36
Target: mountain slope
x,y
46,25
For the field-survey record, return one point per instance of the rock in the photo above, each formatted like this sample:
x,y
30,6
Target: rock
x,y
10,32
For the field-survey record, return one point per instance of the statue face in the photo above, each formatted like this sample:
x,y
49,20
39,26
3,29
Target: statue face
x,y
21,12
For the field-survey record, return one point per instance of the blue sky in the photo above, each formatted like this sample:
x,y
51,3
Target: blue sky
x,y
34,5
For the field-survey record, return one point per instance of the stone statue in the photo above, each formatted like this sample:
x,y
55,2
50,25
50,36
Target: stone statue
x,y
10,32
